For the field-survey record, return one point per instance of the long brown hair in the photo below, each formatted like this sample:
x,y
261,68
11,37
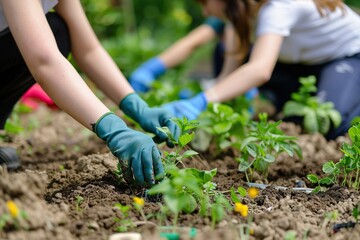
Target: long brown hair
x,y
241,14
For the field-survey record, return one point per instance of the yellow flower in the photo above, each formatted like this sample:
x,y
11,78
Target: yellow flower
x,y
242,209
253,192
139,201
13,209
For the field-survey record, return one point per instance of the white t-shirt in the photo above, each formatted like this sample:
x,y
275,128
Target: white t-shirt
x,y
310,38
46,4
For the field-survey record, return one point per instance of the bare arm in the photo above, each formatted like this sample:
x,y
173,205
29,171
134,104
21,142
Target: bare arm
x,y
90,55
252,74
50,69
183,48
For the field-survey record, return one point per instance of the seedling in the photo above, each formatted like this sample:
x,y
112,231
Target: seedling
x,y
125,222
13,217
263,145
225,125
348,167
78,200
181,191
317,115
186,136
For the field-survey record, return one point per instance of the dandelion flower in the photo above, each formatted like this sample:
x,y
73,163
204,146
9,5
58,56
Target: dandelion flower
x,y
253,192
13,209
242,209
139,201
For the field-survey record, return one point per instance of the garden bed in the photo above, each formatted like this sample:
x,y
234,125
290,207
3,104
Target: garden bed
x,y
68,189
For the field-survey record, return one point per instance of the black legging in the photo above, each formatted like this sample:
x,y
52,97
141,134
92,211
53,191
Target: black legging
x,y
15,77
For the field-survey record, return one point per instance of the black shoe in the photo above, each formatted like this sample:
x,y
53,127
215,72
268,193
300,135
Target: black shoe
x,y
9,157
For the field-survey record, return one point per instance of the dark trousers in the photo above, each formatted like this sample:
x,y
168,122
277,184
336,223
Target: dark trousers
x,y
15,77
338,81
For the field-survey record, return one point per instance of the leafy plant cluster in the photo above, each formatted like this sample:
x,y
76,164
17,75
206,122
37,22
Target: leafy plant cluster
x,y
262,145
186,190
317,115
346,171
225,125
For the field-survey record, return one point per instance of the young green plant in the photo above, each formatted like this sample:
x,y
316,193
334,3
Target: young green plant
x,y
263,145
347,168
317,115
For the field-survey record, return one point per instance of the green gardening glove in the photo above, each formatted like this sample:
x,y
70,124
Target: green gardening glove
x,y
150,118
139,158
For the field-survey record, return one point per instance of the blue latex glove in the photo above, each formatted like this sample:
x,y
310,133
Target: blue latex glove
x,y
186,93
144,75
252,93
189,108
138,155
150,118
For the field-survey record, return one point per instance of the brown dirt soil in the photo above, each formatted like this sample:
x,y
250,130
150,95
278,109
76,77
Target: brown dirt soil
x,y
61,161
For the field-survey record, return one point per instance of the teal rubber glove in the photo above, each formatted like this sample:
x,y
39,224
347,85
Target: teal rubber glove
x,y
150,118
189,108
139,158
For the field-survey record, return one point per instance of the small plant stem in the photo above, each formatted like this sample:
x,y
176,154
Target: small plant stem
x,y
357,179
247,177
143,215
175,219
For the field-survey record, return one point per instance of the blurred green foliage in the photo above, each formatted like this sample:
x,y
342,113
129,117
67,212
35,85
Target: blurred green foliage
x,y
355,3
132,31
117,17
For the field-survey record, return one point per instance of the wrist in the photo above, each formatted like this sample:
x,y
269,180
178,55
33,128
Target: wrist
x,y
200,101
106,124
155,65
132,105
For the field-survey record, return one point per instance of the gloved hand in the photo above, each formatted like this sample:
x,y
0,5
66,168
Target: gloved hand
x,y
138,155
252,93
189,108
150,118
36,94
144,75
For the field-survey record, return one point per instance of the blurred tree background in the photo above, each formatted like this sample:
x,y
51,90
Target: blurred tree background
x,y
132,31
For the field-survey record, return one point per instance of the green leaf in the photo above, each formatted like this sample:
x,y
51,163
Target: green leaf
x,y
335,117
223,127
188,203
185,139
242,191
323,121
329,167
189,153
292,108
312,178
162,187
326,181
173,203
244,165
269,158
234,196
310,122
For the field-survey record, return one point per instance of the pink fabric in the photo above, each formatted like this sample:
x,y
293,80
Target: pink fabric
x,y
34,96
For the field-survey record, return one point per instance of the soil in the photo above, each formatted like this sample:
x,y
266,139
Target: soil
x,y
61,161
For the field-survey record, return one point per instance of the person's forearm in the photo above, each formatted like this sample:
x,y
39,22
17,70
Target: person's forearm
x,y
237,83
105,73
183,48
64,85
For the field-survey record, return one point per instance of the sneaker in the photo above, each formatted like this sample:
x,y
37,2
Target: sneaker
x,y
9,157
